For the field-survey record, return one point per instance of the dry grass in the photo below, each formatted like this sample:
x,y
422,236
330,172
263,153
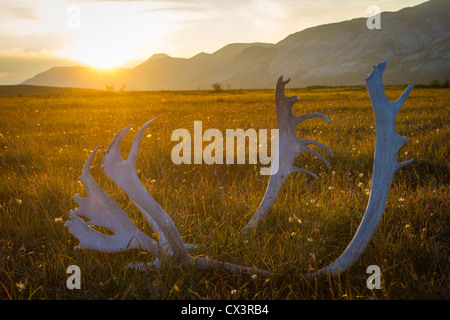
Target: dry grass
x,y
48,138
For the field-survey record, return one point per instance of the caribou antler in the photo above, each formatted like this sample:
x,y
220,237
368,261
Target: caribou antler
x,y
387,145
123,173
104,212
288,147
170,248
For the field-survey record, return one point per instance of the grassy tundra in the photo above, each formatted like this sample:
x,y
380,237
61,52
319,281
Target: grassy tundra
x,y
46,140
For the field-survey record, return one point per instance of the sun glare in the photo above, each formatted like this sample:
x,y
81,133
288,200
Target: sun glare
x,y
124,34
102,50
101,58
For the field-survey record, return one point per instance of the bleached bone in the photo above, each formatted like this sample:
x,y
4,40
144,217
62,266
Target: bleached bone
x,y
288,147
123,173
104,212
387,145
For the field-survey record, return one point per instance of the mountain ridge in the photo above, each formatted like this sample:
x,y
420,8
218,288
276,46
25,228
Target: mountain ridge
x,y
415,41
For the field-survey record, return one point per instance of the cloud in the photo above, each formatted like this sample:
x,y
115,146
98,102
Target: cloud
x,y
13,11
188,26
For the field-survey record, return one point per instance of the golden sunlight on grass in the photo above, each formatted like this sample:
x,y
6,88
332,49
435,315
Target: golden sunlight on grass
x,y
45,141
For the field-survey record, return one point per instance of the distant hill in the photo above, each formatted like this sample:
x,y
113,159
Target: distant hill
x,y
28,90
414,41
229,52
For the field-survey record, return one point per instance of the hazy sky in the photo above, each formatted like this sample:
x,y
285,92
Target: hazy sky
x,y
35,35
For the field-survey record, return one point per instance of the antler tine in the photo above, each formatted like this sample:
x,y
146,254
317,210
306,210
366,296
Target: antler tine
x,y
303,117
134,150
113,148
302,147
387,145
289,146
295,169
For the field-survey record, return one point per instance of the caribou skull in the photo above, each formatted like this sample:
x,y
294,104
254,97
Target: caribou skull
x,y
169,248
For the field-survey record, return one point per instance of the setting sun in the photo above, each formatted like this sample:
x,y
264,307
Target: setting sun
x,y
102,54
127,32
